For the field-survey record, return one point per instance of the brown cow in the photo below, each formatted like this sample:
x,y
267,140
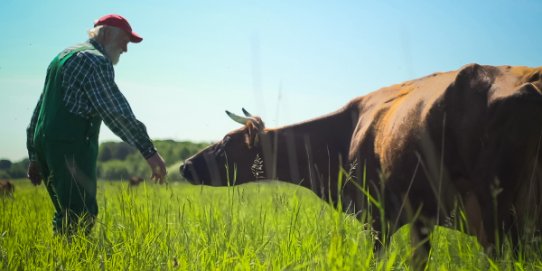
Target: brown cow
x,y
469,137
134,181
7,188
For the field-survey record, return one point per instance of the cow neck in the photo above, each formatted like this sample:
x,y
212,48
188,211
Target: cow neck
x,y
289,153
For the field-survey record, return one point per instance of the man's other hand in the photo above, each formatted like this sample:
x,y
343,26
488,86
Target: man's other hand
x,y
34,172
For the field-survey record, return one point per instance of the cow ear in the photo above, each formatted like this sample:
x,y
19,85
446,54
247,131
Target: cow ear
x,y
475,77
469,91
535,76
533,83
464,106
254,127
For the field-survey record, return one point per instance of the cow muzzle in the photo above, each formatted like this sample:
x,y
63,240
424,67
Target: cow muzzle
x,y
187,170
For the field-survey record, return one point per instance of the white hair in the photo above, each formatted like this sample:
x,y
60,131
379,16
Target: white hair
x,y
95,32
98,31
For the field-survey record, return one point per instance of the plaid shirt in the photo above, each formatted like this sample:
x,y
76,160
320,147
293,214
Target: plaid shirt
x,y
90,90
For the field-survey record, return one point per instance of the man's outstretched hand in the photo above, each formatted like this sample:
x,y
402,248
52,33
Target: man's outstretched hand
x,y
158,168
34,172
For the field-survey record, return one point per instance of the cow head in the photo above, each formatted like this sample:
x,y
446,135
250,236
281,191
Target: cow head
x,y
235,159
6,188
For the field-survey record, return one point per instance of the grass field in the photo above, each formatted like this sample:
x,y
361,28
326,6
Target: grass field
x,y
269,226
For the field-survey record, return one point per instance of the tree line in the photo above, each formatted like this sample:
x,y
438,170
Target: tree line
x,y
120,161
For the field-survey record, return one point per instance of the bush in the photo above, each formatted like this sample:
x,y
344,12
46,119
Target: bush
x,y
5,164
18,170
4,174
114,170
118,160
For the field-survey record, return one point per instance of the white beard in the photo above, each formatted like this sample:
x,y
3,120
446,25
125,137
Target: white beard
x,y
115,59
114,55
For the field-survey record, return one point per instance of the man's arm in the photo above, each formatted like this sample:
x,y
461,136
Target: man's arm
x,y
34,171
114,109
30,130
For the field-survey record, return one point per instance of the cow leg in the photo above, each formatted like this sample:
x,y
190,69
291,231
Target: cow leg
x,y
381,239
380,225
400,212
515,236
420,229
474,218
419,238
482,224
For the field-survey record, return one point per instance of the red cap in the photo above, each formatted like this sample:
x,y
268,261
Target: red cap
x,y
119,22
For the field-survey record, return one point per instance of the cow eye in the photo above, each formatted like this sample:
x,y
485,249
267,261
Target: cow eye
x,y
219,149
225,140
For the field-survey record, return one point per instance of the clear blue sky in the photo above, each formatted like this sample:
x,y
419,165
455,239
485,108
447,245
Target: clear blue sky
x,y
286,61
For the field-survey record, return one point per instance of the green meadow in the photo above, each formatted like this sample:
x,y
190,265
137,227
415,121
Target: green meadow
x,y
258,226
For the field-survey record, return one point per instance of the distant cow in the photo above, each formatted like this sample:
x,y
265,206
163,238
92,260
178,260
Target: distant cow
x,y
7,188
135,181
468,138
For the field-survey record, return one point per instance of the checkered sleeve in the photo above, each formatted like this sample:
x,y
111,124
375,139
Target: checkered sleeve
x,y
30,130
114,109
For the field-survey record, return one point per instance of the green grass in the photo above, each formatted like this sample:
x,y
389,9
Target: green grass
x,y
271,226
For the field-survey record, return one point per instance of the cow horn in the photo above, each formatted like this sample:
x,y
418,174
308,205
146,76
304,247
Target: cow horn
x,y
246,113
236,118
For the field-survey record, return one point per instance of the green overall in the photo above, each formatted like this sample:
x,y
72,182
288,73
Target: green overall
x,y
67,148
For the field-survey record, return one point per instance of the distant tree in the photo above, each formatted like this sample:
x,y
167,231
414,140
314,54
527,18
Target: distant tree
x,y
114,151
5,164
185,153
120,161
4,174
104,153
114,170
18,169
122,150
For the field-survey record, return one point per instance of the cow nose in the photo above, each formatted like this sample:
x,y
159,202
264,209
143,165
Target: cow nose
x,y
185,170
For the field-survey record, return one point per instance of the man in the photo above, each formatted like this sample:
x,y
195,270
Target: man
x,y
62,138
